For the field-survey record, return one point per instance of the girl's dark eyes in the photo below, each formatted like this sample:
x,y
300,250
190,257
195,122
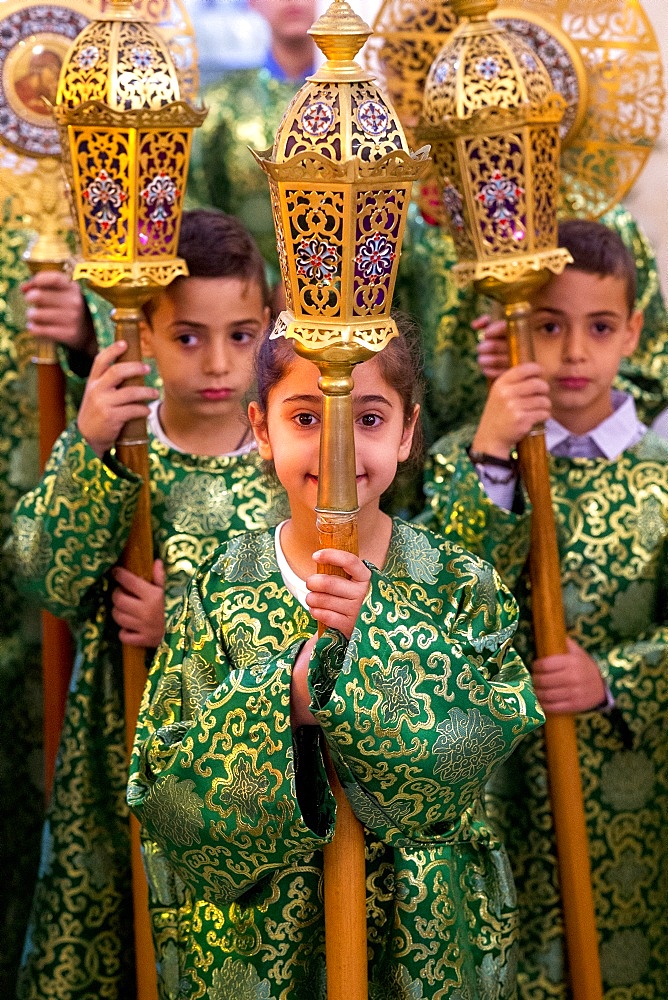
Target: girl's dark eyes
x,y
549,328
370,420
187,339
305,419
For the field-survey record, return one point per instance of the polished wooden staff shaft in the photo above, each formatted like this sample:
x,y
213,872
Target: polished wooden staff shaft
x,y
345,871
132,451
563,764
57,649
57,646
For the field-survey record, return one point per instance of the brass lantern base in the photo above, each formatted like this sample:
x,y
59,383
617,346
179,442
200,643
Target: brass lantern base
x,y
328,339
113,278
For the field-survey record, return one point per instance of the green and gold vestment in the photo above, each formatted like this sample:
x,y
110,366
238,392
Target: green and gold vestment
x,y
67,535
612,523
21,760
417,710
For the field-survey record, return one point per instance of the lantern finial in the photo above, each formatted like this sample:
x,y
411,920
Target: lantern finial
x,y
473,9
121,10
340,33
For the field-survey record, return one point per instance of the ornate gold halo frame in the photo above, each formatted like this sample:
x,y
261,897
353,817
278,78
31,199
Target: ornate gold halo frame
x,y
34,39
603,59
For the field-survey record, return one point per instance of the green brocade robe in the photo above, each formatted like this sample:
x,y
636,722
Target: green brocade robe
x,y
417,710
67,535
612,524
21,758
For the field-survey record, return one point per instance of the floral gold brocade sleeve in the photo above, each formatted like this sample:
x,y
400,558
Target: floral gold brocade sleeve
x,y
213,772
458,507
428,697
72,527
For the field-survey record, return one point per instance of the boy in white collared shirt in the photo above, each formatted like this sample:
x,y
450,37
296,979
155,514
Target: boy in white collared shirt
x,y
609,479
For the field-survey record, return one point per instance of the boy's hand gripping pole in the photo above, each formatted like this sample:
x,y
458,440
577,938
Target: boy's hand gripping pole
x,y
561,744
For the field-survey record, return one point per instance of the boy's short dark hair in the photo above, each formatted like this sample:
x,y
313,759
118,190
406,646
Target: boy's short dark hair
x,y
596,249
216,245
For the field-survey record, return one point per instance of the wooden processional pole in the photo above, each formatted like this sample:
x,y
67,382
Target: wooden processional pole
x,y
344,857
51,253
132,451
561,745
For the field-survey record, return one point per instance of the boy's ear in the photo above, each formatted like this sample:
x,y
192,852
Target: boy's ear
x,y
633,331
146,339
266,318
406,442
259,425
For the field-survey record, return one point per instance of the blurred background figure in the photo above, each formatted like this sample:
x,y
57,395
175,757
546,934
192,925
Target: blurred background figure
x,y
290,52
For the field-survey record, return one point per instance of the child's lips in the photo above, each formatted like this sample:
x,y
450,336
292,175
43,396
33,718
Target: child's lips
x,y
213,393
574,382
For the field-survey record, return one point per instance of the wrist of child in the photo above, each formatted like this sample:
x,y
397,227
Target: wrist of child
x,y
492,447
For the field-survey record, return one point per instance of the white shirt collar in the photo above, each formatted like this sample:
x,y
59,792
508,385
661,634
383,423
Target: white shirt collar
x,y
621,430
294,583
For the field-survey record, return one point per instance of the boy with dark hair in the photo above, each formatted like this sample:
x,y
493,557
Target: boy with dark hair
x,y
609,478
206,485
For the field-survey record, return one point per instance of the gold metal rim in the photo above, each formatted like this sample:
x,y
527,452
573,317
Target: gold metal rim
x,y
557,32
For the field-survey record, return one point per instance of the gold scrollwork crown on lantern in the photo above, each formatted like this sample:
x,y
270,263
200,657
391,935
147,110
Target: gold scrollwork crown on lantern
x,y
602,57
492,117
128,133
340,175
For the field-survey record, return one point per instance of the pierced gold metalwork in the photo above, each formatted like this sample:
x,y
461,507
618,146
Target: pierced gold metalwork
x,y
128,135
37,37
493,118
340,175
603,59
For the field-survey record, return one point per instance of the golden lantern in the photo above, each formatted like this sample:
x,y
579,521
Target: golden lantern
x,y
493,119
340,174
126,138
492,116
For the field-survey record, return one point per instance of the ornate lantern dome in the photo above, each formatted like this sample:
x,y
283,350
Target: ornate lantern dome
x,y
340,113
492,116
128,134
483,65
340,174
123,63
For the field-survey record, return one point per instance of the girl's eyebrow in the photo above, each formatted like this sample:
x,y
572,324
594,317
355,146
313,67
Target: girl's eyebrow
x,y
303,399
371,398
184,321
187,322
365,400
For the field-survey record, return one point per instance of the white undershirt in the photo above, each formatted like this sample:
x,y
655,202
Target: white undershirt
x,y
294,583
156,429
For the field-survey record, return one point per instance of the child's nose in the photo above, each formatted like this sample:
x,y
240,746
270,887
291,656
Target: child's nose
x,y
217,358
574,345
